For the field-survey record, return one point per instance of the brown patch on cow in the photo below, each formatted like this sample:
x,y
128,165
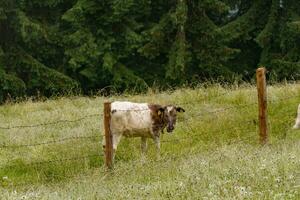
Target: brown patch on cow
x,y
157,116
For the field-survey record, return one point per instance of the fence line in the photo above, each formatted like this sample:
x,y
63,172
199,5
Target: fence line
x,y
32,184
87,175
35,164
215,97
86,137
48,142
61,160
242,106
191,136
50,123
209,112
239,106
127,110
204,113
284,98
185,120
89,137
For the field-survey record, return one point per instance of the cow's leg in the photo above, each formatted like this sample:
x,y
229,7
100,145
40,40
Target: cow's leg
x,y
116,139
297,123
157,144
143,148
143,145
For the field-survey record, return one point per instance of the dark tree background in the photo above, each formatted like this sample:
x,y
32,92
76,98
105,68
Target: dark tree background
x,y
59,46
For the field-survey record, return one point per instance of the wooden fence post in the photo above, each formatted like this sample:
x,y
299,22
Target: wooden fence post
x,y
262,104
108,136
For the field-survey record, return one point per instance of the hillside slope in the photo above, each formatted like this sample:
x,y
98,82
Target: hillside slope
x,y
52,149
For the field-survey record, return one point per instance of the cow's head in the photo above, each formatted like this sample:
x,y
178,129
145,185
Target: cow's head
x,y
169,114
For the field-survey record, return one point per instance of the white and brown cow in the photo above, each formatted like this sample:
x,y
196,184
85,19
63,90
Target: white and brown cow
x,y
141,120
297,123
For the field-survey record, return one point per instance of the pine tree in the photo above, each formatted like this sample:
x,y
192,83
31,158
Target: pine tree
x,y
26,44
189,40
10,85
280,39
267,33
57,46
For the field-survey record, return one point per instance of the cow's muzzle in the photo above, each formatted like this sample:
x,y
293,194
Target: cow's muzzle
x,y
170,129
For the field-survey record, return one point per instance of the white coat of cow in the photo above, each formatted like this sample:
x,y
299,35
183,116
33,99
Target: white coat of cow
x,y
141,120
297,123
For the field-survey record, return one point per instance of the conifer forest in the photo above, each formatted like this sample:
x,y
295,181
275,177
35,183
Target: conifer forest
x,y
55,47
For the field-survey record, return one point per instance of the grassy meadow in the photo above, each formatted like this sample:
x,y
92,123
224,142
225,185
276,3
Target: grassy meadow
x,y
213,153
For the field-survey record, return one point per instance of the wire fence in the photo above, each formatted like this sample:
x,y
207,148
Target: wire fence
x,y
59,160
138,110
285,98
203,113
51,123
50,142
192,133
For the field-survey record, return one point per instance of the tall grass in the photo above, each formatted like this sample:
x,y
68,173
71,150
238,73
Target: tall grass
x,y
213,154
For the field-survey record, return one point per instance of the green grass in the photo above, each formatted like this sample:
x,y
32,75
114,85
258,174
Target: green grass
x,y
213,154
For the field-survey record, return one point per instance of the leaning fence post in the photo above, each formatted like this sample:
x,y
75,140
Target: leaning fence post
x,y
108,136
262,104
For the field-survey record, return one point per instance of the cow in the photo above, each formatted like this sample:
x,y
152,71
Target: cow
x,y
297,123
142,120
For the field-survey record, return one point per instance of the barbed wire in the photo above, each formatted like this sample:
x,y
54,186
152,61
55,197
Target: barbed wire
x,y
6,184
227,108
202,99
34,164
86,175
65,159
138,110
284,98
191,136
50,123
204,113
182,103
93,115
80,138
49,142
89,137
11,184
179,103
60,160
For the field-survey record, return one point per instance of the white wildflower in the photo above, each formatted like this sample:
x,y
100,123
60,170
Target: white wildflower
x,y
278,179
180,184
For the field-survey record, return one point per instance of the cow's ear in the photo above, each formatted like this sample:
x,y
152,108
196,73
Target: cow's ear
x,y
179,109
160,111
